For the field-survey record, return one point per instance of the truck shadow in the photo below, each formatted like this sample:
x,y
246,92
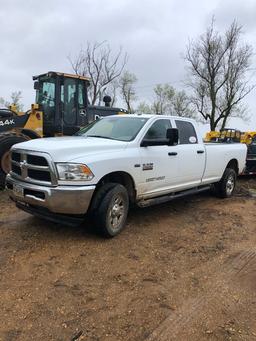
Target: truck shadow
x,y
137,216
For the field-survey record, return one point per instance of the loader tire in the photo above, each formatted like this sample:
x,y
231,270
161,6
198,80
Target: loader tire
x,y
6,142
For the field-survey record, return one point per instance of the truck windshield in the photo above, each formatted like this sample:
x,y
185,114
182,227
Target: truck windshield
x,y
114,128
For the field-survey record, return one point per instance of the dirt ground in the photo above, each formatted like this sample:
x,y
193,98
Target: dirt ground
x,y
185,270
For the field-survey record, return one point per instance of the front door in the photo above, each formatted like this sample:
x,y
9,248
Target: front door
x,y
73,105
158,163
68,106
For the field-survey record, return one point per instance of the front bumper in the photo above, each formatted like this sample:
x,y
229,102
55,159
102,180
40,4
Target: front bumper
x,y
61,199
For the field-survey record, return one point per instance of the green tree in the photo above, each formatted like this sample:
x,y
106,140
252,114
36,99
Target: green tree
x,y
127,89
144,108
168,101
182,106
163,94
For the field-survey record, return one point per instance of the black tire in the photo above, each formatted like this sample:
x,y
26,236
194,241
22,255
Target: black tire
x,y
99,195
6,142
113,205
2,180
226,186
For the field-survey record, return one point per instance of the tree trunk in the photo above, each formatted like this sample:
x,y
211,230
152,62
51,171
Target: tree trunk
x,y
224,122
212,124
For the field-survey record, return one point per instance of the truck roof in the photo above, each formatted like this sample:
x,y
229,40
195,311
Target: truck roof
x,y
159,116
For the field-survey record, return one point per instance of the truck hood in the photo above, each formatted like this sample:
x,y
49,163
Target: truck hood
x,y
68,148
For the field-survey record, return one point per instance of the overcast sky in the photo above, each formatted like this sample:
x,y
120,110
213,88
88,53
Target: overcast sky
x,y
37,36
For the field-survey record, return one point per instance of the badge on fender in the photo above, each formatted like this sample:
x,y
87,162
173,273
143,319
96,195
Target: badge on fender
x,y
147,166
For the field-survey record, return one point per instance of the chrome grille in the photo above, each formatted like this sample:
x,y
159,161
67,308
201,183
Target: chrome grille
x,y
32,167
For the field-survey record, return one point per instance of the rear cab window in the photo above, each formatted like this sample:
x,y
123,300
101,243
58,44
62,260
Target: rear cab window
x,y
187,133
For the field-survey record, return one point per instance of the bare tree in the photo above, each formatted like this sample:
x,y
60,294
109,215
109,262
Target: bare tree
x,y
98,62
127,89
182,106
16,97
218,66
112,88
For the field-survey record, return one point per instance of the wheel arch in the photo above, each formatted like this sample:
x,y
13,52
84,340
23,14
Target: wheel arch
x,y
122,178
234,165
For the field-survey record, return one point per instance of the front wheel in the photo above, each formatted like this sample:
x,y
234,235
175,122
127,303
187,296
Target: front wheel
x,y
226,186
112,211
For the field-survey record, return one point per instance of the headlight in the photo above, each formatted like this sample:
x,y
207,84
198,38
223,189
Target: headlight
x,y
74,172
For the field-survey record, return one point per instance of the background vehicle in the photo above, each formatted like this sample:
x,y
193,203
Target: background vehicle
x,y
250,139
224,135
117,160
234,135
61,108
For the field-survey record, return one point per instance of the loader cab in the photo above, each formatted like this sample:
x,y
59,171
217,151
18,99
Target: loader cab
x,y
63,100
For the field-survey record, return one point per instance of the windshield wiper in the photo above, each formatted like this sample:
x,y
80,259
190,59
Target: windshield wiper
x,y
100,136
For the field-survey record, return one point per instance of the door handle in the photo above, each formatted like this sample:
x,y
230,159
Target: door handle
x,y
172,153
200,151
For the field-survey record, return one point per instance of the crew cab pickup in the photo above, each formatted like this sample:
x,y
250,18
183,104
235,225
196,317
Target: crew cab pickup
x,y
117,161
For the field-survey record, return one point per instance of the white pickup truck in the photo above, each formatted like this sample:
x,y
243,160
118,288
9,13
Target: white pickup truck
x,y
117,161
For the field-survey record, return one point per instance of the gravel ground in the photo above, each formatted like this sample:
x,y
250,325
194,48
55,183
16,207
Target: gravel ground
x,y
185,270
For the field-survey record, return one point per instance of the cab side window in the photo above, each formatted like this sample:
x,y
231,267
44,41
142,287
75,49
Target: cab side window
x,y
81,96
187,133
69,96
158,129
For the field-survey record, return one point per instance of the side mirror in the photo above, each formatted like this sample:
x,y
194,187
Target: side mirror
x,y
36,85
172,134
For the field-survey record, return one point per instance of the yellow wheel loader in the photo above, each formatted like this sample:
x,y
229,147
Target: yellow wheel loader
x,y
224,135
61,108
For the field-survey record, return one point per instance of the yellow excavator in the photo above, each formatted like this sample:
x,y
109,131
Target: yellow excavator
x,y
236,136
61,108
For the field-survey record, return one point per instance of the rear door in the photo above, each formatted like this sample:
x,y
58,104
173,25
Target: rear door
x,y
190,155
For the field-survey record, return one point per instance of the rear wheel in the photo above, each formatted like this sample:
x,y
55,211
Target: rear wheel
x,y
226,186
111,213
6,142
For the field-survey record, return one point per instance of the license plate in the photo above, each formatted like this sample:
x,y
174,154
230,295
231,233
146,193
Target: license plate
x,y
18,190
